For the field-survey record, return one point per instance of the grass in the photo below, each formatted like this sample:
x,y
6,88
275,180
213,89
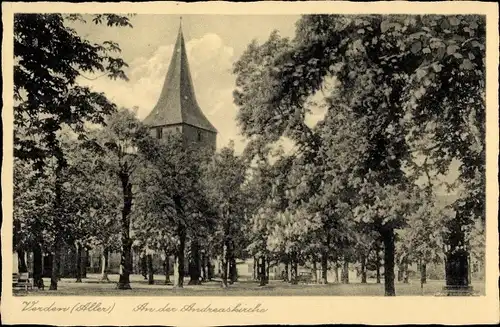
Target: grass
x,y
91,286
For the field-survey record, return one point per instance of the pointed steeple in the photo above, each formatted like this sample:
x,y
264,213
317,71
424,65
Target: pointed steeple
x,y
177,103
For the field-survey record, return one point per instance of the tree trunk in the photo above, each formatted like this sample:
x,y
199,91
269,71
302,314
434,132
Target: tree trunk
x,y
377,265
125,264
151,279
233,271
37,265
405,272
286,274
126,255
85,261
388,238
324,267
179,280
55,263
78,270
423,274
345,272
255,271
336,269
144,266
262,271
456,270
105,265
363,269
58,215
166,265
469,268
21,261
194,264
456,264
224,262
268,269
210,268
176,271
204,264
314,271
293,278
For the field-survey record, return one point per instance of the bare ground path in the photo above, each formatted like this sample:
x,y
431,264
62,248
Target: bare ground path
x,y
91,286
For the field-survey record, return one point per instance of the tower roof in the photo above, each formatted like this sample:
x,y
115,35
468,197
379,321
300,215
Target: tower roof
x,y
177,103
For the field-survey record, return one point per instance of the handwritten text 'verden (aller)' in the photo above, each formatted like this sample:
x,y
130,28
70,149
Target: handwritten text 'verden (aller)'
x,y
35,306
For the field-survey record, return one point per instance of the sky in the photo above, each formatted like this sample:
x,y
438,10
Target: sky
x,y
213,43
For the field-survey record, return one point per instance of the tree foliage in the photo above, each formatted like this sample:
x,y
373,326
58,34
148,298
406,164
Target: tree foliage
x,y
49,57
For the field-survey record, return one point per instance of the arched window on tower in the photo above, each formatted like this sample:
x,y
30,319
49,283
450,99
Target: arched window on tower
x,y
199,136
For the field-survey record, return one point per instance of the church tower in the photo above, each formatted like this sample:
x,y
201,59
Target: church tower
x,y
177,110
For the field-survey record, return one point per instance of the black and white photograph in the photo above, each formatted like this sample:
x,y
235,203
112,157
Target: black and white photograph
x,y
248,155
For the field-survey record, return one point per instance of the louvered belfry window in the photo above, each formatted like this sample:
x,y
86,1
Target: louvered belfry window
x,y
159,133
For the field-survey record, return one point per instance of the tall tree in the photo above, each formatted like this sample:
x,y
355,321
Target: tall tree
x,y
446,103
179,199
223,181
33,221
95,199
381,64
123,145
49,57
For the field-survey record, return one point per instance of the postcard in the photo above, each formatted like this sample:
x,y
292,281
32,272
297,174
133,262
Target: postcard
x,y
218,163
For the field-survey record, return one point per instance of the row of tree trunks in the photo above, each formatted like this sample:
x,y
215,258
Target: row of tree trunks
x,y
147,269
